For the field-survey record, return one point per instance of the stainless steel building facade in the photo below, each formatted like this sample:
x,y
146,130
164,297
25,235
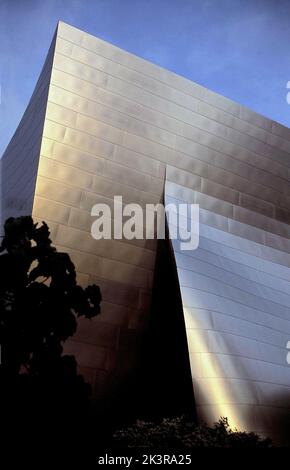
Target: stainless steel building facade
x,y
103,122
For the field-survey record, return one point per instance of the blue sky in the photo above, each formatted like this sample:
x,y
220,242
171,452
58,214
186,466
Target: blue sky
x,y
238,48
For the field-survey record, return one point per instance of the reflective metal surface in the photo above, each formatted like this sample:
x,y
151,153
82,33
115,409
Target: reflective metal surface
x,y
103,122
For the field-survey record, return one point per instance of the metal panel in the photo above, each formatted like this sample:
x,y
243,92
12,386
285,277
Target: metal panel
x,y
235,307
103,122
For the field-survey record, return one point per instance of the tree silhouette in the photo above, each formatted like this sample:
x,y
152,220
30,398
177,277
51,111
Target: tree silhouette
x,y
40,301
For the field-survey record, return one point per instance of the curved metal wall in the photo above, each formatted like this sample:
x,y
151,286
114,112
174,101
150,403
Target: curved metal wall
x,y
113,123
236,299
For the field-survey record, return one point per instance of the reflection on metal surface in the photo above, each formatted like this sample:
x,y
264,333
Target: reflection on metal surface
x,y
219,393
103,122
236,299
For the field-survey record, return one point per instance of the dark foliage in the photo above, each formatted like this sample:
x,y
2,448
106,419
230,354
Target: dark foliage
x,y
179,434
39,305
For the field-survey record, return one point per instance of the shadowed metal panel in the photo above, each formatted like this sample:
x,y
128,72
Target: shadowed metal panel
x,y
19,162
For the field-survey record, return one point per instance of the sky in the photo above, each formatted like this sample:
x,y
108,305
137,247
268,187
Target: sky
x,y
238,48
